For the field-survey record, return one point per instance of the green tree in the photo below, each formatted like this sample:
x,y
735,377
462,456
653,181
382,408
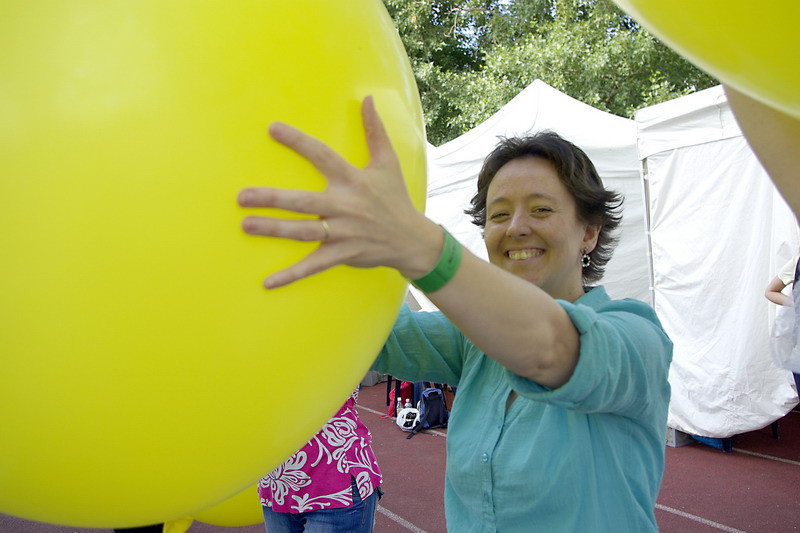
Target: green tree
x,y
471,56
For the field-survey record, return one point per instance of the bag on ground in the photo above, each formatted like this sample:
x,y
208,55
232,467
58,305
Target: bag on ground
x,y
406,390
407,418
433,411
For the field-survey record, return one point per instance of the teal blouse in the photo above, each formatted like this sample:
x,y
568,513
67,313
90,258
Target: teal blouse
x,y
588,456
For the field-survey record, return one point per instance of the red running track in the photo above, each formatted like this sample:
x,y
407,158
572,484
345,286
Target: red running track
x,y
754,489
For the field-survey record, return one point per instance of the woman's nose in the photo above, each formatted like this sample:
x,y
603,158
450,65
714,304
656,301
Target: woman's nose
x,y
519,225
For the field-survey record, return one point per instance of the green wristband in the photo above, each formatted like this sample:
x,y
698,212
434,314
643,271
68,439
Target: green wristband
x,y
445,269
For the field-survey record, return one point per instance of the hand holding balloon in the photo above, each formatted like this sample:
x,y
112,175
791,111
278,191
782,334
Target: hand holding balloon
x,y
367,217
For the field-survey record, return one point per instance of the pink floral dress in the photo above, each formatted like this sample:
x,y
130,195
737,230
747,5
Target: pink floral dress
x,y
318,476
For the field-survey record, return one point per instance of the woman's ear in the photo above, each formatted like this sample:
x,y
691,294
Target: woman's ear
x,y
590,236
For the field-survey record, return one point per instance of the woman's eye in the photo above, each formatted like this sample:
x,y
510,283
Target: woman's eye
x,y
498,215
541,210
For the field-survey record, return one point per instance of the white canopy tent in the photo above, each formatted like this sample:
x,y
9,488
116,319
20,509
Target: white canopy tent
x,y
720,232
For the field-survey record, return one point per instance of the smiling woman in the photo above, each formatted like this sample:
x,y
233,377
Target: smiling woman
x,y
524,201
572,181
533,230
562,392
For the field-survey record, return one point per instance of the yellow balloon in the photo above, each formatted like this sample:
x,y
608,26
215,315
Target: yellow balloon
x,y
244,509
145,373
753,47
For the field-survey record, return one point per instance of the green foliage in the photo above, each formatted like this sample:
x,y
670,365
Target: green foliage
x,y
470,57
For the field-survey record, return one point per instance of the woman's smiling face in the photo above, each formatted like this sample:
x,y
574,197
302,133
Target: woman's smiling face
x,y
533,230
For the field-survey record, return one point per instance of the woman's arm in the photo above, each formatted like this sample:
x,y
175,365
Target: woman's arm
x,y
511,320
372,222
774,294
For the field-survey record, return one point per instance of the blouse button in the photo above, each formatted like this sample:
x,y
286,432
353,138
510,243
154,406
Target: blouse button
x,y
485,458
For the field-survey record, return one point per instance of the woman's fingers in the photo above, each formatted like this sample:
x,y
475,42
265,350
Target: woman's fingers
x,y
299,201
355,202
317,261
319,154
298,230
378,142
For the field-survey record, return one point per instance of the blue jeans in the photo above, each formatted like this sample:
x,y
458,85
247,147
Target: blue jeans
x,y
358,518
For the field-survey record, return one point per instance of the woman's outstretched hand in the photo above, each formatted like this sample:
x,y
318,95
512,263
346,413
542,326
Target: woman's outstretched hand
x,y
366,218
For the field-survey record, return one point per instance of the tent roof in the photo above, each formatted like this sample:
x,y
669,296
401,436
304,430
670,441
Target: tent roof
x,y
540,107
697,118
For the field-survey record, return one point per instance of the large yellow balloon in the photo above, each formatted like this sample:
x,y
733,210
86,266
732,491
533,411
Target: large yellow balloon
x,y
244,509
751,46
145,374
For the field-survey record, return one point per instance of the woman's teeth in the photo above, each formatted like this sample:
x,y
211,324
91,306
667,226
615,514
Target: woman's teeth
x,y
519,255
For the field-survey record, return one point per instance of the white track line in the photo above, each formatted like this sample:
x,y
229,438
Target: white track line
x,y
770,457
698,519
359,406
400,520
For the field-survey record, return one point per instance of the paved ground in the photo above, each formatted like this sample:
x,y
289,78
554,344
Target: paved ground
x,y
754,489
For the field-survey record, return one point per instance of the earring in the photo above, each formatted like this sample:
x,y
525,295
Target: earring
x,y
585,259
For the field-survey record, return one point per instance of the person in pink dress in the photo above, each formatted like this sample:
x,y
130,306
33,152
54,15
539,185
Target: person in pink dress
x,y
330,485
